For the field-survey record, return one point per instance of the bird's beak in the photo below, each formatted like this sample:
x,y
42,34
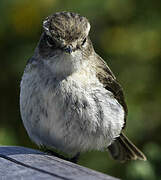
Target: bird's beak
x,y
68,49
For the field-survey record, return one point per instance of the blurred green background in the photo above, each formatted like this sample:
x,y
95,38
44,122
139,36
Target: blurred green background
x,y
127,34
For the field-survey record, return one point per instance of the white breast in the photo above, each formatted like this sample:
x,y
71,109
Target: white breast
x,y
75,114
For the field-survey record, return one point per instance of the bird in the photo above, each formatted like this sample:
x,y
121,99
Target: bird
x,y
70,100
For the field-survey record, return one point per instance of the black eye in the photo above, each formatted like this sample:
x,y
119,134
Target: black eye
x,y
84,41
50,41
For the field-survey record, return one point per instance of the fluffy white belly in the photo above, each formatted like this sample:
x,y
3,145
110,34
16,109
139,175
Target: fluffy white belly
x,y
67,116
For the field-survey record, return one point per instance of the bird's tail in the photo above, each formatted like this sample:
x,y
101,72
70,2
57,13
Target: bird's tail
x,y
122,149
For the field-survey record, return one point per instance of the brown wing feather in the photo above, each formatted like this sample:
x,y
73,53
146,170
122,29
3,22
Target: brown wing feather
x,y
122,149
107,78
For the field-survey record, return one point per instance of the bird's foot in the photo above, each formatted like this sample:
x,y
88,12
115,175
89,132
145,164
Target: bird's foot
x,y
73,159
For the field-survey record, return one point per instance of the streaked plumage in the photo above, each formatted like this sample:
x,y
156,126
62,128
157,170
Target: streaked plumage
x,y
70,100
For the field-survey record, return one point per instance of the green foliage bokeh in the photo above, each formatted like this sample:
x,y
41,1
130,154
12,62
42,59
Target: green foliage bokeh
x,y
127,34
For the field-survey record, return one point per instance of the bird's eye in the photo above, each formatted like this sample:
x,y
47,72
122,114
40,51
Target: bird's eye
x,y
84,41
50,41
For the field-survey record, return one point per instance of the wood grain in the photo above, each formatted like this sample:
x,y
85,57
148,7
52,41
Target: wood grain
x,y
28,164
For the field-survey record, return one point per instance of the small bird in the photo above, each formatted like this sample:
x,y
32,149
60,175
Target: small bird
x,y
69,99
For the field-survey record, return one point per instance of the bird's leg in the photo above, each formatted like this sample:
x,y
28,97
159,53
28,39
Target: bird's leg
x,y
75,158
50,152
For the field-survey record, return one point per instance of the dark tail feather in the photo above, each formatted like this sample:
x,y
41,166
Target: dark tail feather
x,y
122,149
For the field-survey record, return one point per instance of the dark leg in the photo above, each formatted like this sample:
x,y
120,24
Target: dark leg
x,y
75,158
50,152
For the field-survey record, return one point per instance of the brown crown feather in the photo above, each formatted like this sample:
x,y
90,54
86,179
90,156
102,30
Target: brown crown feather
x,y
67,26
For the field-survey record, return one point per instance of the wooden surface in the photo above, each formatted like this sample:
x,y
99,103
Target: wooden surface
x,y
28,164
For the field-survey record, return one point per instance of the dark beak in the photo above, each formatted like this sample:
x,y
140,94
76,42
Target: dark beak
x,y
68,49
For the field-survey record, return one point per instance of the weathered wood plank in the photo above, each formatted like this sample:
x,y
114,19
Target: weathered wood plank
x,y
28,164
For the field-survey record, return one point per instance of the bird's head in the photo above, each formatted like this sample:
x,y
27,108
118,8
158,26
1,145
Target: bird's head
x,y
65,32
65,45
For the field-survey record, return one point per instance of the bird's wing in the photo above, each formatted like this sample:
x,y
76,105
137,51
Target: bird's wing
x,y
107,78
